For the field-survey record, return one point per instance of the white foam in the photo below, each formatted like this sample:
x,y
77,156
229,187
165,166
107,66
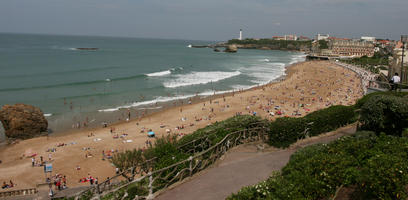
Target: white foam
x,y
243,87
153,108
47,114
265,73
109,110
212,92
150,102
297,58
162,73
196,78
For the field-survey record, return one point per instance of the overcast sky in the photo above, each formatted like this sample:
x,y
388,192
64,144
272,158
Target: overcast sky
x,y
206,19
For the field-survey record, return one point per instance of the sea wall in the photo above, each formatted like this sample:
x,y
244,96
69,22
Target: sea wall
x,y
2,134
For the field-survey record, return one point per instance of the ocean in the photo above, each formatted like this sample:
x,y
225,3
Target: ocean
x,y
124,74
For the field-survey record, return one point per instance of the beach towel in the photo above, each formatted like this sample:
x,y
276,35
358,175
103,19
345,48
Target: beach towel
x,y
32,155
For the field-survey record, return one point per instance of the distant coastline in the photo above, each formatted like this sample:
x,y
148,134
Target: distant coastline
x,y
263,44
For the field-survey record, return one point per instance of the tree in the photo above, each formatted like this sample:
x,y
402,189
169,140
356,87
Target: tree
x,y
323,44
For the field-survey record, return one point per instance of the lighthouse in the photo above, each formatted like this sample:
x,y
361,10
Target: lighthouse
x,y
240,34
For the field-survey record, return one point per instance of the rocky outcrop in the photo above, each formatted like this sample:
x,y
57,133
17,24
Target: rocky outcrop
x,y
22,121
231,48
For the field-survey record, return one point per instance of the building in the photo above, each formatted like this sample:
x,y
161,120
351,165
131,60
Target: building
x,y
304,38
290,37
336,38
240,34
278,37
396,61
322,37
368,38
351,48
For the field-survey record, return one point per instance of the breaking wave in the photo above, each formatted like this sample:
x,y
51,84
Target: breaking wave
x,y
162,73
196,78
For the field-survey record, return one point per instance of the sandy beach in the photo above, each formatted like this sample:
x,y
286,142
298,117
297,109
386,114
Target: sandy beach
x,y
308,86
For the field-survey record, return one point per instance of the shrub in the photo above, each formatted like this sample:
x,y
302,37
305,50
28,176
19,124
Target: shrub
x,y
286,131
165,151
365,98
136,189
388,114
329,119
128,159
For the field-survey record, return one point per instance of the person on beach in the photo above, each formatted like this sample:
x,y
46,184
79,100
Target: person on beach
x,y
32,161
5,185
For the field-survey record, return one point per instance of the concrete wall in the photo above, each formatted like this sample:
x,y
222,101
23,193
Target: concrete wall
x,y
2,134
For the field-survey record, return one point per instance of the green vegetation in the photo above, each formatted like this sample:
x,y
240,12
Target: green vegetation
x,y
273,44
368,165
362,101
323,44
373,64
285,131
388,114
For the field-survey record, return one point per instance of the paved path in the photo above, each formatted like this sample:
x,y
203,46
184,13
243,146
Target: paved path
x,y
241,167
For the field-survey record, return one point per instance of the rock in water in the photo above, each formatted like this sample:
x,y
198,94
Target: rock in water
x,y
22,121
231,48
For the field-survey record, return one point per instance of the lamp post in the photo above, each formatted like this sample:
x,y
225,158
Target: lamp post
x,y
404,39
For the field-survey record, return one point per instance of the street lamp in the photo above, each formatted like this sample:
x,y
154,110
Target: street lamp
x,y
404,39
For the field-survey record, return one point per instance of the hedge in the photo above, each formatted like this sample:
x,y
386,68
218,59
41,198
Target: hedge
x,y
365,98
388,114
286,131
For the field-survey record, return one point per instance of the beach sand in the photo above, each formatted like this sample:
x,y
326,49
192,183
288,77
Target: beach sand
x,y
315,84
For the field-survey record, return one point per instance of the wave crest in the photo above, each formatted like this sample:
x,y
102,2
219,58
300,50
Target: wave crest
x,y
162,73
196,78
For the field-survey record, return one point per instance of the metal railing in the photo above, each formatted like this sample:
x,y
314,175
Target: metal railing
x,y
12,193
158,180
386,86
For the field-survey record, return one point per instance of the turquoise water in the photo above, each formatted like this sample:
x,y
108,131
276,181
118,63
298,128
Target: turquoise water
x,y
71,85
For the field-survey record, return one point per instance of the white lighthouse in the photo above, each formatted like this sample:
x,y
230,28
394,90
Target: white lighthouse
x,y
240,34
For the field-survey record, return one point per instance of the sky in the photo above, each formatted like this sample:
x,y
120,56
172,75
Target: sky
x,y
213,20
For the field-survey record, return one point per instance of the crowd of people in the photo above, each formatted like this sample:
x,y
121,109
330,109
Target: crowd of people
x,y
365,76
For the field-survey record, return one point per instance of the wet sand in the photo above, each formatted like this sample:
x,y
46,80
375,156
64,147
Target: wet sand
x,y
314,84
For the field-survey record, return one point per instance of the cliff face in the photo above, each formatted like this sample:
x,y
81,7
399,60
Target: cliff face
x,y
22,121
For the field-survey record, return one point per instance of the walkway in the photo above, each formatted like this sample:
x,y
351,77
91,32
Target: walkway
x,y
242,166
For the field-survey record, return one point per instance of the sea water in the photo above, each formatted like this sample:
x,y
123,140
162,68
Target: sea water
x,y
124,74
